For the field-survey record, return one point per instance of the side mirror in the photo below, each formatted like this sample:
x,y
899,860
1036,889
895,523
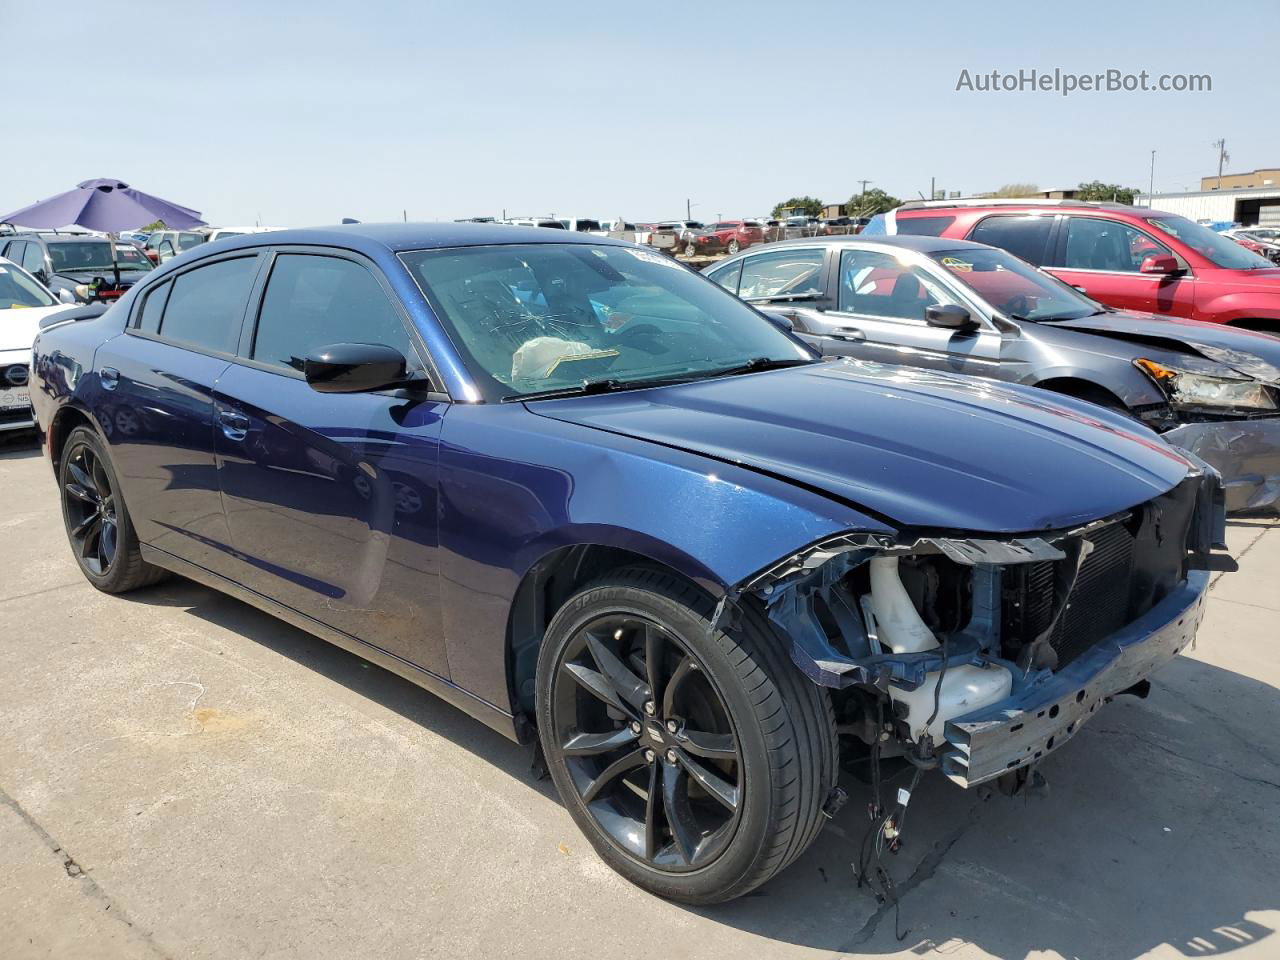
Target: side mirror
x,y
950,317
1160,263
66,296
354,368
778,320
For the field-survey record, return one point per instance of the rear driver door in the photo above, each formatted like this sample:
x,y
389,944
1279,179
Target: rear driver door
x,y
331,499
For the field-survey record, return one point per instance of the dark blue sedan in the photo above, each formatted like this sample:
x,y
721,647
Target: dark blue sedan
x,y
598,503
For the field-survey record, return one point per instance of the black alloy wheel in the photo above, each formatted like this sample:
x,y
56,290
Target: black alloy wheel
x,y
98,524
90,505
648,742
695,760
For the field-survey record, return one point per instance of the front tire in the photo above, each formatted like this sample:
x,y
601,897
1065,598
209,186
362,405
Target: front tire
x,y
98,525
696,763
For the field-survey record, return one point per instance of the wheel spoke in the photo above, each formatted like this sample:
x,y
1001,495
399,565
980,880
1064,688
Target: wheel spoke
x,y
80,493
627,685
711,746
589,744
107,543
596,685
711,781
610,773
88,521
677,677
675,803
654,648
651,812
83,479
100,481
89,547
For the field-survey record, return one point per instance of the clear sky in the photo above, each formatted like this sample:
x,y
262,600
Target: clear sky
x,y
303,113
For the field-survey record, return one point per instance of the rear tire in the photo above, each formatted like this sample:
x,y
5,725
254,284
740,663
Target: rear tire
x,y
701,792
97,521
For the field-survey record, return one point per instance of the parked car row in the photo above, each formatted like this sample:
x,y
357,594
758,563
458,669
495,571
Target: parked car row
x,y
162,245
598,501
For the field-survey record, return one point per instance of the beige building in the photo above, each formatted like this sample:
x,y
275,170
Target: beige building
x,y
1267,177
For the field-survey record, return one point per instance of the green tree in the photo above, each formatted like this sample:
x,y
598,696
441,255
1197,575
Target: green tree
x,y
870,203
807,205
152,227
1097,190
1017,190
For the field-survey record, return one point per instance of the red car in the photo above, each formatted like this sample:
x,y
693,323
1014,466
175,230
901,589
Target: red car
x,y
1133,258
735,235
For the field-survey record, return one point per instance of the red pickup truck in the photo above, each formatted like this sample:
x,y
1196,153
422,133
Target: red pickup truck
x,y
1133,258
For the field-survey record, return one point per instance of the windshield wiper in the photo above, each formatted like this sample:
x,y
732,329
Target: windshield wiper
x,y
756,364
588,387
785,297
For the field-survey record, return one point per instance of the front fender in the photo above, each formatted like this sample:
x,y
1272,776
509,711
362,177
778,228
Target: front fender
x,y
514,487
1241,305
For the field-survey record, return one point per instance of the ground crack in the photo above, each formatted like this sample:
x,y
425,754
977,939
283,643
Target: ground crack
x,y
924,870
1262,781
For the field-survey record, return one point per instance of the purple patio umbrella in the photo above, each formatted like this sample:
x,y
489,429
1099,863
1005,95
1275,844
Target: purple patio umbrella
x,y
108,206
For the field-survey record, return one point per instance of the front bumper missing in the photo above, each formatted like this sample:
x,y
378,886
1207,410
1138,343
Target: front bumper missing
x,y
1026,727
1245,452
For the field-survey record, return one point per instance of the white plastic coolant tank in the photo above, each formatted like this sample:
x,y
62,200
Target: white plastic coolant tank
x,y
965,687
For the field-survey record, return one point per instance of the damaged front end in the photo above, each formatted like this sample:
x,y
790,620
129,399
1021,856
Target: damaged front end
x,y
982,655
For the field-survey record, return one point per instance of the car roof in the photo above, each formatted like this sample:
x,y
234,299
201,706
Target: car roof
x,y
398,237
919,244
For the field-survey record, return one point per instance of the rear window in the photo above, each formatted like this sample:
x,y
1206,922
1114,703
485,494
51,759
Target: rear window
x,y
1023,236
923,226
207,304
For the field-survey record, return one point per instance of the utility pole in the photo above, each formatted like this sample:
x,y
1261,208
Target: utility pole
x,y
933,193
688,209
1223,157
863,185
1151,184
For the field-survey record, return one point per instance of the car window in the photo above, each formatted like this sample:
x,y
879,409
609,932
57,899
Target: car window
x,y
880,285
206,305
17,290
1023,236
728,276
312,301
188,240
782,273
1094,243
923,226
33,258
153,308
1217,249
1014,286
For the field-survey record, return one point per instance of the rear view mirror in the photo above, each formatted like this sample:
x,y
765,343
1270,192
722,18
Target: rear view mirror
x,y
1160,263
354,368
65,295
950,317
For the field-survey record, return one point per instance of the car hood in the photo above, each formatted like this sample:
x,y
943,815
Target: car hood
x,y
19,326
916,447
1249,353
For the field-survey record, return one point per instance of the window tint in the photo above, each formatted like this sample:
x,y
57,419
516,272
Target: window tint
x,y
727,277
312,301
922,226
1097,244
206,304
19,290
33,258
879,285
1022,236
152,308
782,273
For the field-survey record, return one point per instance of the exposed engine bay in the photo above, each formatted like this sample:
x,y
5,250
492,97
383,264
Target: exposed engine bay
x,y
931,643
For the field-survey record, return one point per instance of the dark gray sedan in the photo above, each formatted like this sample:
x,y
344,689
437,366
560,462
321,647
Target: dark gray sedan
x,y
966,307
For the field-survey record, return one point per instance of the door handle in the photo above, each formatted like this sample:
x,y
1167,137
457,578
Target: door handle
x,y
852,334
234,425
109,377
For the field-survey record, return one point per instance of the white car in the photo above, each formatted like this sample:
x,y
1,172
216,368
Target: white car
x,y
221,233
535,222
24,302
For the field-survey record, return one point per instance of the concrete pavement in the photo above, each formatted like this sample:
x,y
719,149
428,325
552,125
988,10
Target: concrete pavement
x,y
183,776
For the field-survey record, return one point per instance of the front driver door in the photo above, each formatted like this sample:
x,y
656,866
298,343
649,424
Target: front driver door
x,y
331,498
879,314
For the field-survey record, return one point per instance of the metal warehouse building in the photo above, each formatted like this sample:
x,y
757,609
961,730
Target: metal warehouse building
x,y
1256,206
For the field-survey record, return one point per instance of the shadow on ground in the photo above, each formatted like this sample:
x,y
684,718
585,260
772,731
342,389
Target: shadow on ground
x,y
1159,826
